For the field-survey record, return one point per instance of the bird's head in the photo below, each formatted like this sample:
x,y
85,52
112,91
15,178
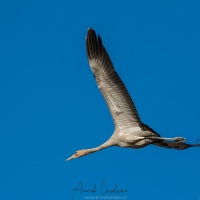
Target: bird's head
x,y
78,154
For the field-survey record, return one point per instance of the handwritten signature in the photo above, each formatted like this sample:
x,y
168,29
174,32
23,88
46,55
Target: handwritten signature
x,y
102,190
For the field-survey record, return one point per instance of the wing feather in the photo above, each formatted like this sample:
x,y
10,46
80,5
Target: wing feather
x,y
120,104
176,145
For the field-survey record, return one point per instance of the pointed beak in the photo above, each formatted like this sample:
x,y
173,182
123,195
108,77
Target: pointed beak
x,y
70,158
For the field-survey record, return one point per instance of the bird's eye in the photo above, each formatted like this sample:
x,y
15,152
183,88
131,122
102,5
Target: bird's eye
x,y
76,152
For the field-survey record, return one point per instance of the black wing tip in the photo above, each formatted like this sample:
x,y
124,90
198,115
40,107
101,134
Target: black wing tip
x,y
93,43
92,36
99,40
91,31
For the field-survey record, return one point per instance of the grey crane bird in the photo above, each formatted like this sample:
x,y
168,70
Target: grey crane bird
x,y
129,131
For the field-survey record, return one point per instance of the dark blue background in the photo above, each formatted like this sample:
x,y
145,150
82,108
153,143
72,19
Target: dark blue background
x,y
50,105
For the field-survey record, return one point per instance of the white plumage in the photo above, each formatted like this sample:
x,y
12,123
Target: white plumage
x,y
129,130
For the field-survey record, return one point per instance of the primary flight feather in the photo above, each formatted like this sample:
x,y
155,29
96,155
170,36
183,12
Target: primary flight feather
x,y
129,131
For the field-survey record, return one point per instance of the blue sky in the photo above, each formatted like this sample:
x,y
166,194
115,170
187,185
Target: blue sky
x,y
50,105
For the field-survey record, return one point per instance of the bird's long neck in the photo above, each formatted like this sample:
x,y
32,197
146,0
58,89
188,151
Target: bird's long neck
x,y
107,144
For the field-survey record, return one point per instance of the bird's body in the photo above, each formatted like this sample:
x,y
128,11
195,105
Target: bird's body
x,y
129,131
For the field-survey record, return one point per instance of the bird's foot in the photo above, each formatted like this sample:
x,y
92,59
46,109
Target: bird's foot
x,y
180,139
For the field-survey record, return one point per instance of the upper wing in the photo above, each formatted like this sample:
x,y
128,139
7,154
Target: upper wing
x,y
114,91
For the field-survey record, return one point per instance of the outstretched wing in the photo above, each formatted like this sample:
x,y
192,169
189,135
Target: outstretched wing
x,y
120,104
176,145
